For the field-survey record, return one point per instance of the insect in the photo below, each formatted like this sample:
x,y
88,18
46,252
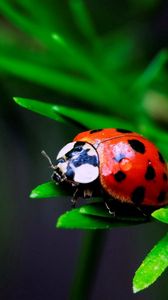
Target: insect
x,y
118,163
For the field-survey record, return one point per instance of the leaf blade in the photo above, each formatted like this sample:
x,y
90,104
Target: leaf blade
x,y
161,215
83,20
93,216
70,114
152,70
75,220
152,267
46,190
42,108
122,213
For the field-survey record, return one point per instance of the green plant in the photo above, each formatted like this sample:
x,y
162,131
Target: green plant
x,y
93,215
104,75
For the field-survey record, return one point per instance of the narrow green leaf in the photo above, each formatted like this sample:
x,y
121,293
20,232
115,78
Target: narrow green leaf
x,y
152,267
82,19
75,220
152,71
45,14
46,190
161,215
57,80
96,216
69,114
42,108
95,209
66,53
91,119
127,215
22,21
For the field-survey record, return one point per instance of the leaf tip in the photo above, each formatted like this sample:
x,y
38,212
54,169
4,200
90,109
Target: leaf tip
x,y
157,211
19,101
16,99
161,215
135,289
33,194
57,225
138,284
59,222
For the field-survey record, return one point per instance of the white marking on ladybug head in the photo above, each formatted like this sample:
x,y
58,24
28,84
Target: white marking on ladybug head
x,y
86,173
68,147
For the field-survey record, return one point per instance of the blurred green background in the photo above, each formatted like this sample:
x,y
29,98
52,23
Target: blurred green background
x,y
108,58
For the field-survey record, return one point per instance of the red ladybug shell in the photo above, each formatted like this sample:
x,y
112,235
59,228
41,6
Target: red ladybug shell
x,y
131,168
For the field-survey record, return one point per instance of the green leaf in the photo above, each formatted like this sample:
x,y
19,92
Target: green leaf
x,y
95,216
48,189
55,79
127,215
95,209
82,19
152,267
39,107
152,71
69,114
75,220
161,215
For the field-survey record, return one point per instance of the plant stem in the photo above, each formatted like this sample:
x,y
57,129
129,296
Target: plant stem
x,y
87,264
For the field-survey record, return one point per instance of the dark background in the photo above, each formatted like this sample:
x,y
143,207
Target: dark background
x,y
37,261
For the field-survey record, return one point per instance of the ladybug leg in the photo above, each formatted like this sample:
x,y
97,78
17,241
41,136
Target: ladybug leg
x,y
111,212
144,213
87,193
75,197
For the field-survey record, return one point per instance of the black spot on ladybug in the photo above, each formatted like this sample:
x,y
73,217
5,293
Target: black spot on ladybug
x,y
138,195
95,130
150,173
119,176
123,130
161,197
137,145
165,176
161,157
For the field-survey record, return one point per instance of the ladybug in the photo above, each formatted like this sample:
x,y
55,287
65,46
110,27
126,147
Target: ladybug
x,y
121,164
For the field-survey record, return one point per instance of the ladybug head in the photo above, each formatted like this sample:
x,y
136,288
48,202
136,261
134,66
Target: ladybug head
x,y
76,162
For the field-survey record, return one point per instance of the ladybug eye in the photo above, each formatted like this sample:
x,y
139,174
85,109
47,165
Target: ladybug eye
x,y
56,177
60,160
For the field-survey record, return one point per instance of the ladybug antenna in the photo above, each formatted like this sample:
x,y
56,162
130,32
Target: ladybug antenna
x,y
48,158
